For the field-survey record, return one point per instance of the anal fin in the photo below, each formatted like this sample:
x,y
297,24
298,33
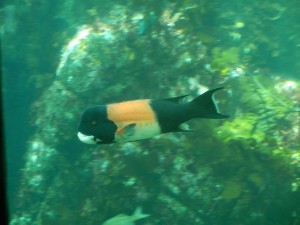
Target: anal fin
x,y
183,128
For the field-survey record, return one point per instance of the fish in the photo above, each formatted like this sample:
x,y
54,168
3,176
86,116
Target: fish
x,y
144,118
123,219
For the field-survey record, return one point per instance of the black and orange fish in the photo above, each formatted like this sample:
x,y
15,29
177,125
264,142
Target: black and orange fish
x,y
141,119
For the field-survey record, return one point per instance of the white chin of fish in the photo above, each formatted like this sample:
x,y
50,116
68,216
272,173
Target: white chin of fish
x,y
86,139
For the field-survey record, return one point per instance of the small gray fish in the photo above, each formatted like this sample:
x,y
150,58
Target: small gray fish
x,y
123,219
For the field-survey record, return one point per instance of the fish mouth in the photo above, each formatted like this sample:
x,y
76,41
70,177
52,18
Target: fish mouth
x,y
87,139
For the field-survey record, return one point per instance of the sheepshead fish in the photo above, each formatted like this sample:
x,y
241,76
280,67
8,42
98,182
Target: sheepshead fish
x,y
145,118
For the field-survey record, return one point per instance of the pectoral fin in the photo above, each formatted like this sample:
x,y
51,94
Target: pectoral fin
x,y
126,131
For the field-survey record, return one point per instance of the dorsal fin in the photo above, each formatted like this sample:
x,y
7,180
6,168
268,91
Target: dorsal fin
x,y
175,99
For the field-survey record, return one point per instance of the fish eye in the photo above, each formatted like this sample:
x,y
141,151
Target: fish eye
x,y
94,122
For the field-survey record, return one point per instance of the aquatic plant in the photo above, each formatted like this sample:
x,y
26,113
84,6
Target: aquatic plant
x,y
224,59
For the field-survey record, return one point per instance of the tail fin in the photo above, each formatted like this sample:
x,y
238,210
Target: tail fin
x,y
204,106
138,214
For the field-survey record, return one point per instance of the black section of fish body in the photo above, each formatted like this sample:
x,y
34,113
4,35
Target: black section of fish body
x,y
95,122
171,113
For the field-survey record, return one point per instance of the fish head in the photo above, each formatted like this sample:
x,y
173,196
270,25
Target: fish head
x,y
95,127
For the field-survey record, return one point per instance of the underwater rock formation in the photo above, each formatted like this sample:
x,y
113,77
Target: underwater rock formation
x,y
243,171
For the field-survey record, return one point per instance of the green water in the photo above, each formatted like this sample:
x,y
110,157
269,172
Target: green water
x,y
60,57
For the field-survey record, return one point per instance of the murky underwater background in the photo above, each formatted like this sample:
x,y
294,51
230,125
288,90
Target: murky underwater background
x,y
59,57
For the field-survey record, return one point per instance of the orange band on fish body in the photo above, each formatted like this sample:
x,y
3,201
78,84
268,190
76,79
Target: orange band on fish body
x,y
137,111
